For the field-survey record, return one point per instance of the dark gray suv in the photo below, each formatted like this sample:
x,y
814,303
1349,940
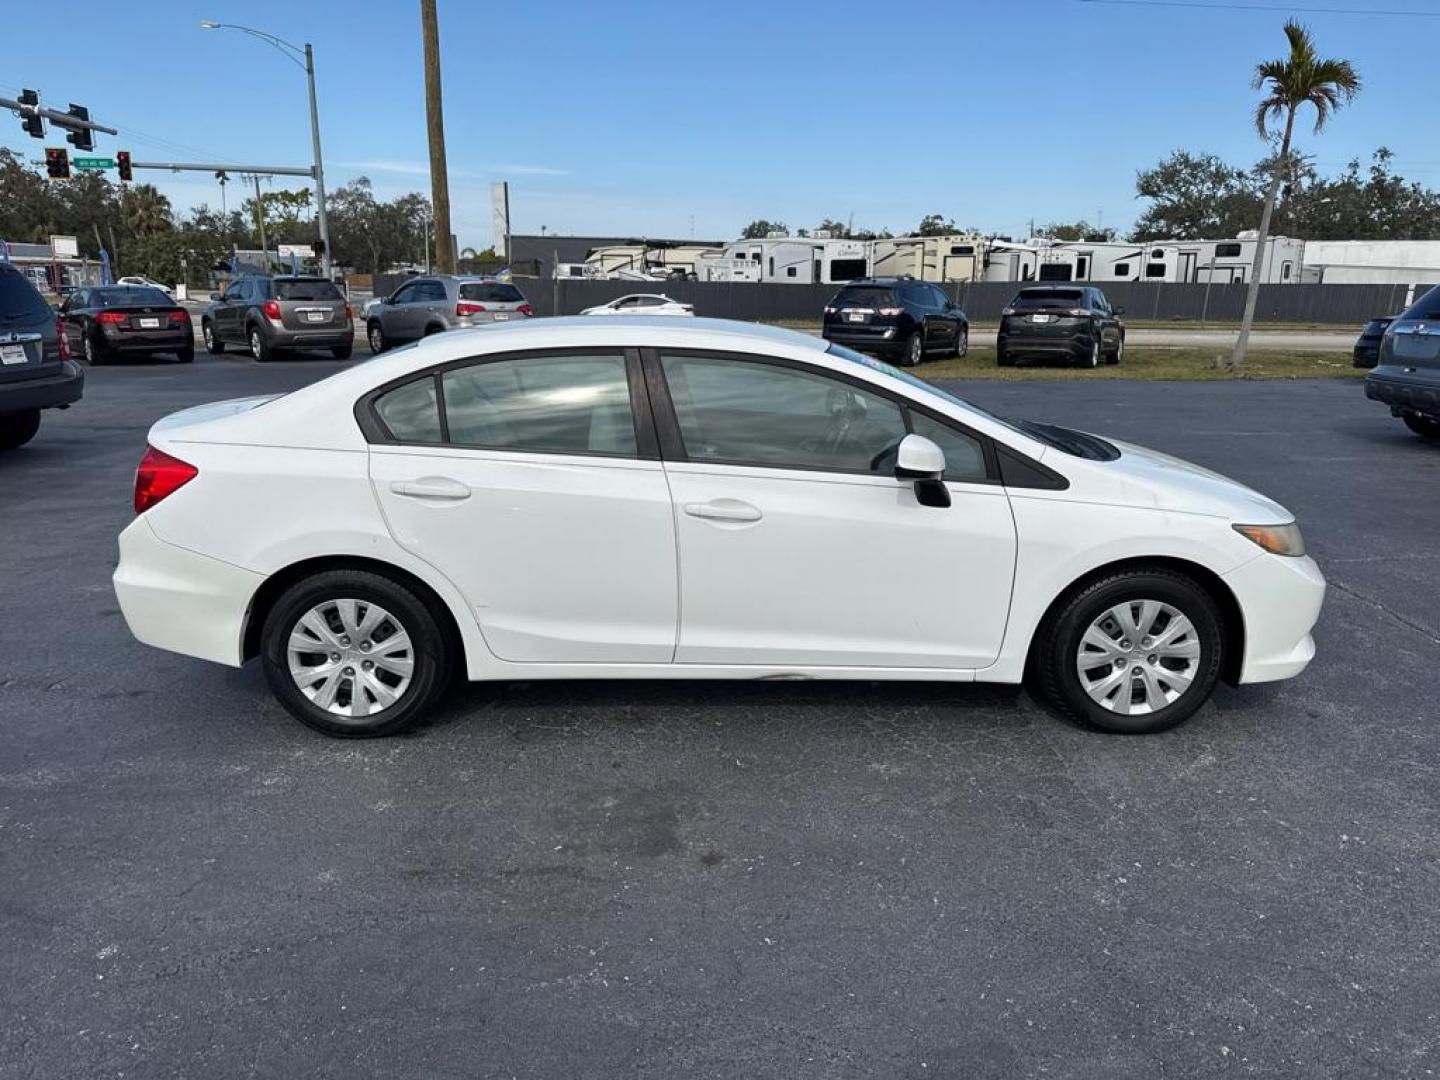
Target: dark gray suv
x,y
429,305
36,371
268,314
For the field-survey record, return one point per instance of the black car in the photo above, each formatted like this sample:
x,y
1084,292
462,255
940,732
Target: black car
x,y
1367,345
36,371
1073,323
103,322
288,311
1407,378
897,317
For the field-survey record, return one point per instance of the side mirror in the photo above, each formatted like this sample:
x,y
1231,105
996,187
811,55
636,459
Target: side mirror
x,y
1118,310
920,460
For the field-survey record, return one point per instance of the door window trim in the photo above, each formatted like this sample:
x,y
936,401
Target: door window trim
x,y
672,443
647,447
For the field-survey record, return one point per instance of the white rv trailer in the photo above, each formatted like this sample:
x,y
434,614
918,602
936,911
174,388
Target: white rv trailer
x,y
794,260
930,258
1381,262
844,260
652,261
715,266
1218,261
1224,262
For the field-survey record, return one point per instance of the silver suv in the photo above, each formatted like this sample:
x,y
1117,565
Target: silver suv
x,y
428,305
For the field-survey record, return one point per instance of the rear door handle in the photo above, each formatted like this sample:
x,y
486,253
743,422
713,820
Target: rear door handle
x,y
724,510
440,488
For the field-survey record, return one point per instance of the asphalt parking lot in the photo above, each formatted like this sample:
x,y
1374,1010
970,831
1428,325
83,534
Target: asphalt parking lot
x,y
748,880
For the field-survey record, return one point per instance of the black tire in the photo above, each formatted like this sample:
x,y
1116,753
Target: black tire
x,y
1092,359
213,344
1119,351
260,349
93,350
914,350
18,428
342,352
186,356
1054,655
375,335
430,652
1427,427
962,343
1004,358
433,328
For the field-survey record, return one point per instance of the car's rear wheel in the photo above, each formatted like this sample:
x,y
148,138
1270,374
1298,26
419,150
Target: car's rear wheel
x,y
354,654
213,344
186,356
94,350
1093,359
375,334
1116,356
914,349
1134,652
342,352
18,428
260,348
1004,357
1427,427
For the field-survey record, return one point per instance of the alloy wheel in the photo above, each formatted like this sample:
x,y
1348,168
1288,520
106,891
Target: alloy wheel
x,y
1138,657
257,347
351,658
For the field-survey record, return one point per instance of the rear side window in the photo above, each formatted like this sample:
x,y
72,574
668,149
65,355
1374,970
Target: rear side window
x,y
542,404
306,290
871,296
18,298
410,412
487,292
1427,307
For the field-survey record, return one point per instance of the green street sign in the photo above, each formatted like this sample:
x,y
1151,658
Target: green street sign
x,y
93,162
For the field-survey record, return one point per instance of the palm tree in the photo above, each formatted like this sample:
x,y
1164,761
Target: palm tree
x,y
146,211
1301,78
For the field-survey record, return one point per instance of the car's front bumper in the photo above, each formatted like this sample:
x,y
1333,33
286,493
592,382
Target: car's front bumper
x,y
51,392
1280,598
179,600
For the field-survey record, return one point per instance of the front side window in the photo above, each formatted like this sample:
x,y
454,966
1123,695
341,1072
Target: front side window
x,y
403,295
964,457
542,404
747,413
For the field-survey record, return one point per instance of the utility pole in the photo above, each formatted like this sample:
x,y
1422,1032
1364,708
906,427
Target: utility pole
x,y
260,225
435,123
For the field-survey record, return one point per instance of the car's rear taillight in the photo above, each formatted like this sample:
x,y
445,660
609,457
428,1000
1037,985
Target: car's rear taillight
x,y
64,341
526,310
465,307
1008,311
349,314
1075,312
180,318
160,475
831,310
272,310
112,317
889,311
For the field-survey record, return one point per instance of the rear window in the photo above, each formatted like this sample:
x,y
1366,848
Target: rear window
x,y
318,289
18,298
130,296
872,296
1427,307
1061,298
490,292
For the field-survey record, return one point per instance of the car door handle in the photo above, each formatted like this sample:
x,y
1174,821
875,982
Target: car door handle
x,y
431,487
724,510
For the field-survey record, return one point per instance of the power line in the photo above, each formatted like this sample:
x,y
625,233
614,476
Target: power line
x,y
1218,5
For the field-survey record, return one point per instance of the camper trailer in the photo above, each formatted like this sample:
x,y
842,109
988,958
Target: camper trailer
x,y
794,260
1224,262
715,266
930,258
1383,262
844,260
654,260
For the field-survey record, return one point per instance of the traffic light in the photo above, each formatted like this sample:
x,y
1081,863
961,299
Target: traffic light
x,y
122,161
32,122
81,138
57,162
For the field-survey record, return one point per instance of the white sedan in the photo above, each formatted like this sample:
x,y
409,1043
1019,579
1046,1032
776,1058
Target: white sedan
x,y
581,498
642,304
147,283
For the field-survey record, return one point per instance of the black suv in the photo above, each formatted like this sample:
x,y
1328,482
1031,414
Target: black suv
x,y
1407,378
288,311
1074,323
36,371
897,317
1367,346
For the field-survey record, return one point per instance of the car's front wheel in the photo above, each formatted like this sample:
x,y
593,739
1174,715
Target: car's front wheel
x,y
914,349
1427,427
962,343
354,654
213,344
1134,652
375,334
18,428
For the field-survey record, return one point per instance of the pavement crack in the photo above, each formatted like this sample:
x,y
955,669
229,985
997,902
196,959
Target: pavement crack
x,y
1420,628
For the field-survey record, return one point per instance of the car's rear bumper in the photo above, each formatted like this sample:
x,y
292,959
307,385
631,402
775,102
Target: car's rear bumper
x,y
51,392
1070,346
328,338
167,340
1280,599
876,339
178,600
1405,390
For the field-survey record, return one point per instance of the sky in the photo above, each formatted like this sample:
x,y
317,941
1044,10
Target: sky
x,y
619,117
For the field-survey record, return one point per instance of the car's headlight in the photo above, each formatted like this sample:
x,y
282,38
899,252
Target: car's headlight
x,y
1276,539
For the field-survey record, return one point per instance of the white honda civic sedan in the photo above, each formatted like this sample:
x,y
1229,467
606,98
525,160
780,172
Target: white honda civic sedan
x,y
668,498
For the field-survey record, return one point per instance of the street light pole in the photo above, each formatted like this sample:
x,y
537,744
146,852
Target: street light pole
x,y
305,59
